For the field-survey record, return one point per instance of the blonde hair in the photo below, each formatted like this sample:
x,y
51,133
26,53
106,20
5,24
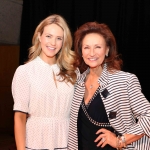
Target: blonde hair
x,y
66,57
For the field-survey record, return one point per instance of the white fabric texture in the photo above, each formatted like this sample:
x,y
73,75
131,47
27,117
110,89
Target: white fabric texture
x,y
48,103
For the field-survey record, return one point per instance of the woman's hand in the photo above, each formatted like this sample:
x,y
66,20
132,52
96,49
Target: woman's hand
x,y
106,137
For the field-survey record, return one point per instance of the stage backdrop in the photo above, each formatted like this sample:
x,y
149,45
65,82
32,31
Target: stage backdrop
x,y
129,21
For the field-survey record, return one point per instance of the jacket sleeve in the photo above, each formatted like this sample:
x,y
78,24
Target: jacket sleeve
x,y
77,71
140,107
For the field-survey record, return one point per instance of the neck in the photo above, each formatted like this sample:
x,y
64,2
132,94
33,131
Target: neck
x,y
95,72
92,78
48,60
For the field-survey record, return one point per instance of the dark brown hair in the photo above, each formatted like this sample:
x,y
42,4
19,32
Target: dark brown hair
x,y
113,61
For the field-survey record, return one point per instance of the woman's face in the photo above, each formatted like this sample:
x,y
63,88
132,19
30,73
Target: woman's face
x,y
51,42
94,49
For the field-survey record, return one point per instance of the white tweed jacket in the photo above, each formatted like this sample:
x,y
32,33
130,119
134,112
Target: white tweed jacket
x,y
125,98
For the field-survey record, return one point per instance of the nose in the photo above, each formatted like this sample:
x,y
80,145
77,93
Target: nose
x,y
53,41
91,51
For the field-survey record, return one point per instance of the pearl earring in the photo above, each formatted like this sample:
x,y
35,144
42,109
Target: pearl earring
x,y
107,53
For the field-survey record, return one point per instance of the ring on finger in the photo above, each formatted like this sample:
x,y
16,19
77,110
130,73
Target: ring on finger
x,y
103,140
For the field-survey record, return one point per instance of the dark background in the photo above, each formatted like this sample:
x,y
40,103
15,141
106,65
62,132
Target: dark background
x,y
129,21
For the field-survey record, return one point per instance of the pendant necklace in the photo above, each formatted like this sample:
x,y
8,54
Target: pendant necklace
x,y
91,86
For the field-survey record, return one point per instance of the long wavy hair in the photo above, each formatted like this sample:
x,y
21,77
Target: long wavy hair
x,y
114,62
66,58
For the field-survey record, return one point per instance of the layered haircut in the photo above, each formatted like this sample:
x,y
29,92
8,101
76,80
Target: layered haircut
x,y
65,57
114,62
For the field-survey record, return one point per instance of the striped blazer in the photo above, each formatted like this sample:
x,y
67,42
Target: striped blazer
x,y
125,98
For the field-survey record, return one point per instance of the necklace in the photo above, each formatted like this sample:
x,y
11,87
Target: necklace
x,y
91,86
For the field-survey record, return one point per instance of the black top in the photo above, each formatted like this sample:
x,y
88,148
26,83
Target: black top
x,y
86,129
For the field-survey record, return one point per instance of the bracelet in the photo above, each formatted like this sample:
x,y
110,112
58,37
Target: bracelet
x,y
118,143
123,140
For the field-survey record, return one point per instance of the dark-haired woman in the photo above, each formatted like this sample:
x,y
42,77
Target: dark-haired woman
x,y
109,111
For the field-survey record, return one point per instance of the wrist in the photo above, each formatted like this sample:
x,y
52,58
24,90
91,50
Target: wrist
x,y
120,142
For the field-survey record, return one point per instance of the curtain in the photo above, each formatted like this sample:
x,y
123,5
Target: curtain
x,y
128,20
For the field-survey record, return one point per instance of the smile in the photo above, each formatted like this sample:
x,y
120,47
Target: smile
x,y
51,48
92,59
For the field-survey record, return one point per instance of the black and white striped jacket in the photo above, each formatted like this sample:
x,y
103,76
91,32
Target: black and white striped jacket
x,y
125,98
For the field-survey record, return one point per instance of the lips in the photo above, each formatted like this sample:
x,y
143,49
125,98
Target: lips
x,y
51,48
92,59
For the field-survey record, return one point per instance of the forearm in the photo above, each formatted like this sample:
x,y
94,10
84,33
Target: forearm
x,y
117,141
126,139
20,129
132,138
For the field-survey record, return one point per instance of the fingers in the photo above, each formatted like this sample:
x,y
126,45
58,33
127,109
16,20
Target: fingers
x,y
105,137
101,131
99,137
103,142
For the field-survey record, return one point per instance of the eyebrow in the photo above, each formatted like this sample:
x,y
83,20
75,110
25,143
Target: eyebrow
x,y
60,37
94,45
52,35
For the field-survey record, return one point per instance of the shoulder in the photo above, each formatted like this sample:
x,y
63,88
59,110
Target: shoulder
x,y
25,68
122,75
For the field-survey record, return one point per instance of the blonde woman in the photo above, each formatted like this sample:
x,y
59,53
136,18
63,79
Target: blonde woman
x,y
43,87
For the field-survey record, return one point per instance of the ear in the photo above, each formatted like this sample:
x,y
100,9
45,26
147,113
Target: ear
x,y
39,36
